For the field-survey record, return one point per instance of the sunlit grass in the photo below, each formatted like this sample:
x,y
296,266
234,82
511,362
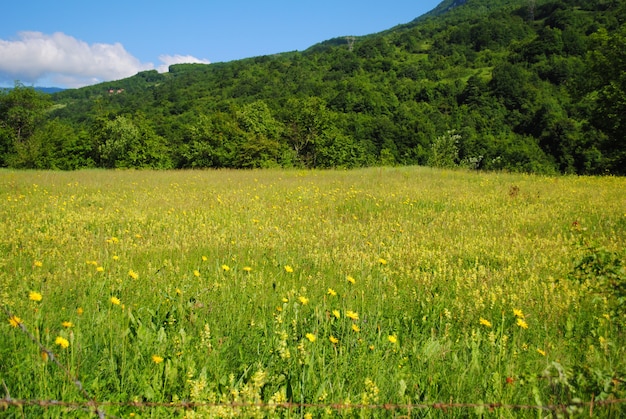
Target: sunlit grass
x,y
406,285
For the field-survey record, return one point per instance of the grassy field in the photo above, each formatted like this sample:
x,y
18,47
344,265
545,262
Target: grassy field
x,y
332,289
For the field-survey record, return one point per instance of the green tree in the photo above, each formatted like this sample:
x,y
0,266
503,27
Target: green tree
x,y
261,145
306,123
120,142
22,111
608,105
55,146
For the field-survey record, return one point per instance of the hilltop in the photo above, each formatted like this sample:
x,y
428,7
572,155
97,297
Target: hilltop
x,y
519,85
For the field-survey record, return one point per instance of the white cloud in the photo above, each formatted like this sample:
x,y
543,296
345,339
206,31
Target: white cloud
x,y
168,60
65,61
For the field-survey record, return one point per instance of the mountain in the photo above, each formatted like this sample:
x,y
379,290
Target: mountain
x,y
49,90
518,85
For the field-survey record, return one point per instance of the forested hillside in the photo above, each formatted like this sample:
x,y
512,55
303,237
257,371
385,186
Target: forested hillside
x,y
521,85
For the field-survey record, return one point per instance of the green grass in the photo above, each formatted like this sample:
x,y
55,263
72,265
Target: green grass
x,y
234,280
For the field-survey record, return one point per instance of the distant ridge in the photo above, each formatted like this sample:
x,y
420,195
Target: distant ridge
x,y
49,90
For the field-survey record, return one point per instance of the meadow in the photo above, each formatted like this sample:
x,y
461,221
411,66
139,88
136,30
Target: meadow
x,y
361,293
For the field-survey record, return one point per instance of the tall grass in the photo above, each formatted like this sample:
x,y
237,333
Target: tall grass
x,y
407,285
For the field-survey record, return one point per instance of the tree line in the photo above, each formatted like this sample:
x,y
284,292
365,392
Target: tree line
x,y
491,85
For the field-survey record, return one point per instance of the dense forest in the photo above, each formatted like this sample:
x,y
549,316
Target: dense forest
x,y
519,85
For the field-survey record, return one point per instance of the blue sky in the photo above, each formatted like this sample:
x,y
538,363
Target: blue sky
x,y
72,43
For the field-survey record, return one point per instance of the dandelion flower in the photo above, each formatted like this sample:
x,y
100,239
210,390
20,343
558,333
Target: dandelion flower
x,y
133,274
311,337
485,322
392,338
351,280
225,268
337,314
333,339
541,352
115,300
15,321
100,269
288,269
35,296
62,342
332,292
284,300
521,323
518,313
204,258
116,257
38,263
196,273
247,269
352,315
157,359
382,261
355,327
178,291
67,324
303,300
80,311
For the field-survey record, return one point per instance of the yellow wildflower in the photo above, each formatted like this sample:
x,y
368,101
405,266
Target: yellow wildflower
x,y
485,322
100,269
392,338
288,268
115,300
196,273
284,300
247,268
521,323
352,315
355,327
311,337
157,359
337,314
351,280
303,300
204,258
35,296
38,263
67,324
382,261
541,352
225,268
62,342
332,292
518,313
80,311
133,274
15,321
333,339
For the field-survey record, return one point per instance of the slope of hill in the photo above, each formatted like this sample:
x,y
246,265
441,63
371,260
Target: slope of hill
x,y
510,84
